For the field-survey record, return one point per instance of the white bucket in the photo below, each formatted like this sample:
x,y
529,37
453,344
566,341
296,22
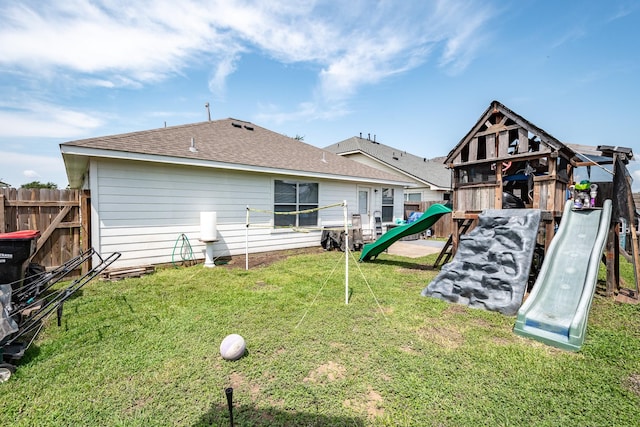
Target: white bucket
x,y
208,227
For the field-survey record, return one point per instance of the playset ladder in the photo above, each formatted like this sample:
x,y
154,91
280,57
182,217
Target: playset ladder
x,y
378,224
447,251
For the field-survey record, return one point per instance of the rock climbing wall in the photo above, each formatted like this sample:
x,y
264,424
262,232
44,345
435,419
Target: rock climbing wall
x,y
491,266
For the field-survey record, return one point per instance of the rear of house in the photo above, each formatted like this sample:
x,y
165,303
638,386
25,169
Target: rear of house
x,y
148,189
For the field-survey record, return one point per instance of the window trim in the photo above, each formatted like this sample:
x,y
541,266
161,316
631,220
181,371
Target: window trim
x,y
299,205
387,205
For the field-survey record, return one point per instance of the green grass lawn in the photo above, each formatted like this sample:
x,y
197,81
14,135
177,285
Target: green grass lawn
x,y
145,352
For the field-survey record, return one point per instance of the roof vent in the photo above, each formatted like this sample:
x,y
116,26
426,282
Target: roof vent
x,y
193,148
236,125
248,127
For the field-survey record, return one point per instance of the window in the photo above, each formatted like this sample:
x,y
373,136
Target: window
x,y
476,174
482,148
290,196
387,204
413,197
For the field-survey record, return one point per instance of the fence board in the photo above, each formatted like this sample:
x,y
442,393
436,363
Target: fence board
x,y
442,228
56,214
2,220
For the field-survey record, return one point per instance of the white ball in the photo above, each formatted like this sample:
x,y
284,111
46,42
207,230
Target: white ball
x,y
232,347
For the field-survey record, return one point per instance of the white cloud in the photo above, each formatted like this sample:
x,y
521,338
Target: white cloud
x,y
31,174
142,40
117,43
305,111
462,42
45,120
572,34
224,68
622,11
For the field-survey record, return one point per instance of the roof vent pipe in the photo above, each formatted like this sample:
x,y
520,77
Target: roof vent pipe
x,y
193,148
374,137
206,105
368,137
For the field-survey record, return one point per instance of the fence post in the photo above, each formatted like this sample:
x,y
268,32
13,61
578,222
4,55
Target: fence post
x,y
2,208
85,226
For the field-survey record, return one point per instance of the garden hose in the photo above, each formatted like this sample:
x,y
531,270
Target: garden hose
x,y
186,252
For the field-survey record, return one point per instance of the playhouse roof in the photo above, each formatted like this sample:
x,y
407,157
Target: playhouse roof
x,y
510,120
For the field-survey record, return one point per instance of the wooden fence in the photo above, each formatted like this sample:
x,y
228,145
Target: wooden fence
x,y
442,228
61,216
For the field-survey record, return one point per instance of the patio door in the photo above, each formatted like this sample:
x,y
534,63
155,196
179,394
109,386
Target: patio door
x,y
364,209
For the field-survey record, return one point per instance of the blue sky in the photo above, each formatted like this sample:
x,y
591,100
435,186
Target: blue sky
x,y
416,74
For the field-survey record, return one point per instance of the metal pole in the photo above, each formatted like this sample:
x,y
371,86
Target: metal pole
x,y
246,242
346,254
229,392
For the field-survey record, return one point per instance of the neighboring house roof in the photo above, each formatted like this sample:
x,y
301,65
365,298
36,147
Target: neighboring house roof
x,y
228,144
429,172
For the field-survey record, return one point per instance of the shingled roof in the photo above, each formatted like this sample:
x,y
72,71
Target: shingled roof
x,y
429,172
483,126
227,143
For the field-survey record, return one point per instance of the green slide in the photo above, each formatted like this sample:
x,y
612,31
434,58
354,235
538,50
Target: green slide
x,y
557,309
431,216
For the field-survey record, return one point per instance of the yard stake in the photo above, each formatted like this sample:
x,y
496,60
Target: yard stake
x,y
229,392
346,254
246,243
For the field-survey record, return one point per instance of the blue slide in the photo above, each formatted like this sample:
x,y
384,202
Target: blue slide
x,y
557,309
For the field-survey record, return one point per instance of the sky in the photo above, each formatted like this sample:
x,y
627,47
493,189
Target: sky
x,y
416,75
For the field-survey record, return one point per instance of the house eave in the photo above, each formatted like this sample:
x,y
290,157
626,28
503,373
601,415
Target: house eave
x,y
76,161
396,169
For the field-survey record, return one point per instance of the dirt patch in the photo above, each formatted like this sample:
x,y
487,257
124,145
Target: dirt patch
x,y
408,349
444,335
327,372
455,309
240,382
137,405
633,383
262,286
263,259
387,311
502,341
372,404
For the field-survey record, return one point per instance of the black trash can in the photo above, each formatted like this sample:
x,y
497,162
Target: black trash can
x,y
15,250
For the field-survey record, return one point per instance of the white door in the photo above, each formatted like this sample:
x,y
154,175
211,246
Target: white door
x,y
364,209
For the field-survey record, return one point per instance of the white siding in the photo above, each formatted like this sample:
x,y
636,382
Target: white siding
x,y
141,209
427,195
